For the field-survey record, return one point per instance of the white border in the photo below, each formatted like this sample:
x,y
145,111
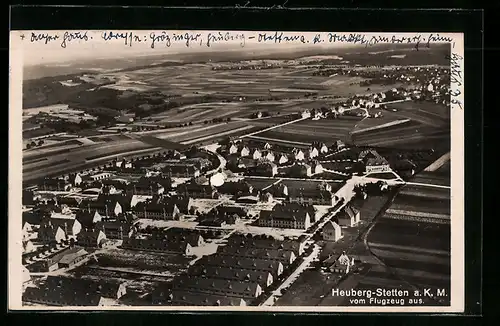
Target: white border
x,y
19,50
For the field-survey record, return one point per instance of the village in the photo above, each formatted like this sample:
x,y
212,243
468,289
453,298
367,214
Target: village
x,y
231,222
234,197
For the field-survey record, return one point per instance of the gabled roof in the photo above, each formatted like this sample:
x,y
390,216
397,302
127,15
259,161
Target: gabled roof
x,y
159,244
187,298
60,222
193,187
78,285
155,206
70,201
281,255
87,218
65,296
89,235
230,273
348,212
243,263
234,288
268,243
290,211
330,225
71,256
235,187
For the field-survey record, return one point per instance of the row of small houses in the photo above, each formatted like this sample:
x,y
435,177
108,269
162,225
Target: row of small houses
x,y
75,292
368,161
280,155
237,274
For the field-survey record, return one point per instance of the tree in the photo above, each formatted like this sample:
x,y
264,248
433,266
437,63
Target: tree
x,y
28,146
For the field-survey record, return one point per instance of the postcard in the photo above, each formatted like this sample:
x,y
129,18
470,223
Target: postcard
x,y
236,171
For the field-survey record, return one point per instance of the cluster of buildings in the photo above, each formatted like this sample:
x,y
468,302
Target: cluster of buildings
x,y
336,161
73,292
236,275
223,214
171,242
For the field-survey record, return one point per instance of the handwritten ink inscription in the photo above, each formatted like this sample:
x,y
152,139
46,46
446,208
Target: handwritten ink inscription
x,y
65,39
71,37
43,37
127,37
192,39
456,78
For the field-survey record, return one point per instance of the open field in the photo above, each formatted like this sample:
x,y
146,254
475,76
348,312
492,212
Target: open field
x,y
426,192
411,234
440,177
308,131
426,112
419,204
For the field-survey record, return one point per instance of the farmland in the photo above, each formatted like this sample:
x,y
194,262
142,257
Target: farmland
x,y
308,131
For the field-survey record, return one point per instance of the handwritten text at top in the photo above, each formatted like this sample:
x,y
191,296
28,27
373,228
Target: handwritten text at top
x,y
190,39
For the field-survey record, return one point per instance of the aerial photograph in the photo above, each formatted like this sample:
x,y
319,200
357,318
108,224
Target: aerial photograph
x,y
287,177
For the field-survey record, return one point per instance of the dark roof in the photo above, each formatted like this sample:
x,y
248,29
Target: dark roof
x,y
69,201
182,202
309,193
87,218
105,289
158,244
290,211
267,243
348,212
234,288
179,167
48,231
187,298
229,273
195,188
281,255
235,187
330,225
32,217
238,262
63,223
70,255
122,199
155,206
145,184
65,296
90,235
226,209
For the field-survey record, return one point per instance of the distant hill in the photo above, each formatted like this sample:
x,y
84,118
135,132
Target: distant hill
x,y
372,55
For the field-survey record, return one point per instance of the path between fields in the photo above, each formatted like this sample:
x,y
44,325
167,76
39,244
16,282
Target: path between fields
x,y
273,127
428,185
438,163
